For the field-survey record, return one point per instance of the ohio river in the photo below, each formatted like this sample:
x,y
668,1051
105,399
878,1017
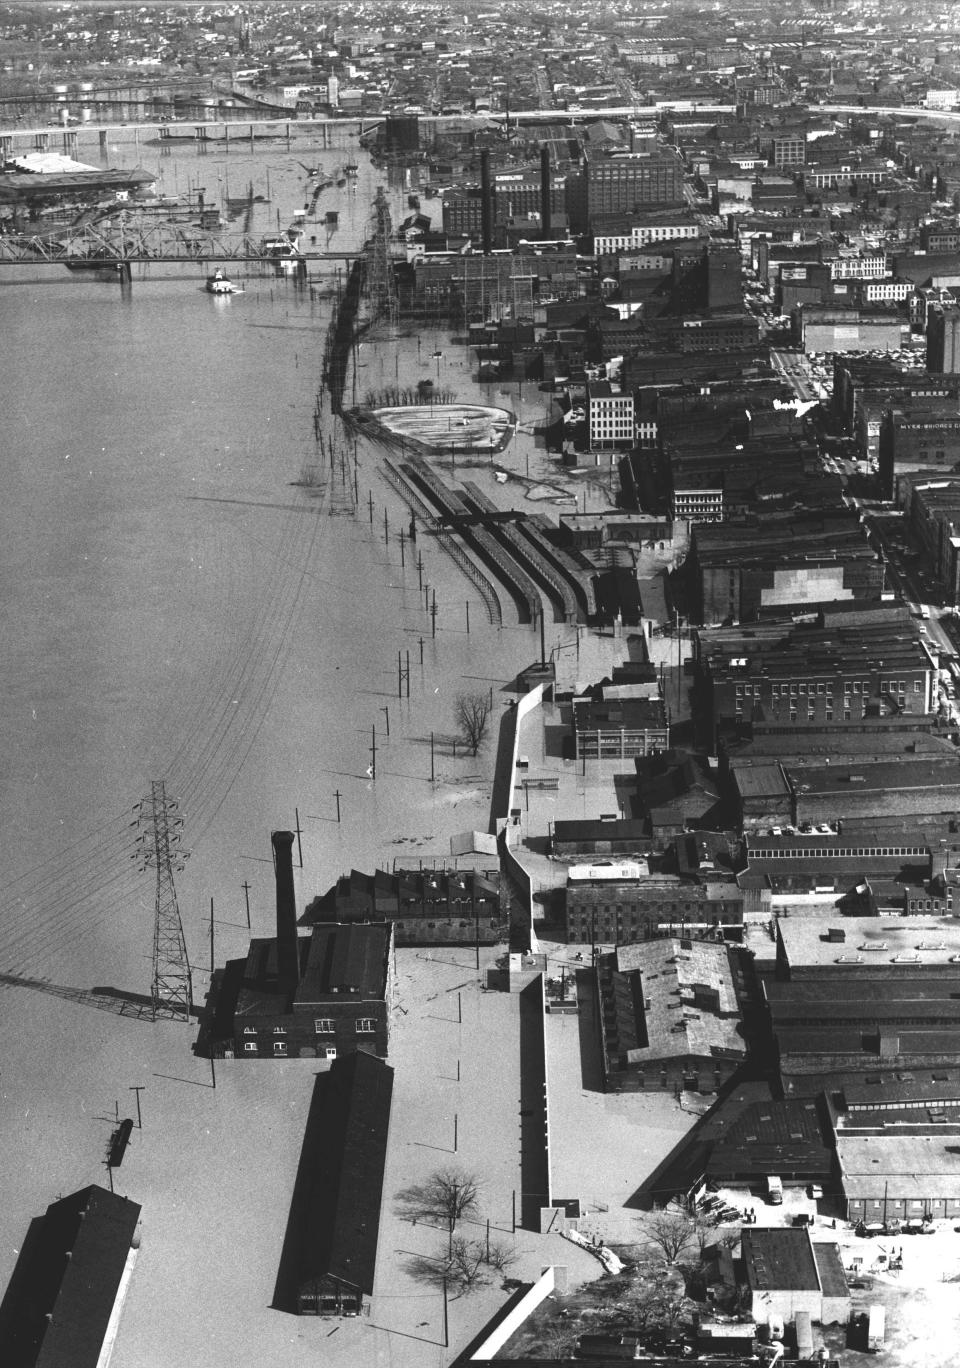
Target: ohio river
x,y
177,605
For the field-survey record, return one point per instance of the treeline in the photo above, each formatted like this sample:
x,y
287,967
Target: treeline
x,y
405,396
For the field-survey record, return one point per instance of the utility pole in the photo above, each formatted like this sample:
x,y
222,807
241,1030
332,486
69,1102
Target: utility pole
x,y
403,674
432,770
337,795
386,712
138,1088
246,895
403,539
370,504
373,751
296,813
433,614
160,830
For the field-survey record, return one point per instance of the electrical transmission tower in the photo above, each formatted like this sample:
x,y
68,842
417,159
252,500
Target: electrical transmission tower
x,y
159,838
381,286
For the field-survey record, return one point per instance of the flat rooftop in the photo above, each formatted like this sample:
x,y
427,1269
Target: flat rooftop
x,y
909,1165
880,942
779,1260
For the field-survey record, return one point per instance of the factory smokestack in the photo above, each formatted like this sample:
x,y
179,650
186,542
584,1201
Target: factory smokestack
x,y
288,960
546,207
486,203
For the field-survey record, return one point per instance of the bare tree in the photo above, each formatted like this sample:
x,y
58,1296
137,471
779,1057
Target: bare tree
x,y
451,1193
500,1256
463,1266
472,715
467,1267
674,1233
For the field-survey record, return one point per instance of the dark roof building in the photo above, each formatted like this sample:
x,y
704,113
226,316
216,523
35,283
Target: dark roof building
x,y
72,1277
787,1273
337,1248
738,569
846,669
310,997
427,907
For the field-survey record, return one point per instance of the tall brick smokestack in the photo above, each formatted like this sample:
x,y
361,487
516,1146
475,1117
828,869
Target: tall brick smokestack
x,y
546,208
486,203
288,963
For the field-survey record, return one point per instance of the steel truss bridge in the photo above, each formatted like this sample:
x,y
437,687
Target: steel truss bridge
x,y
157,242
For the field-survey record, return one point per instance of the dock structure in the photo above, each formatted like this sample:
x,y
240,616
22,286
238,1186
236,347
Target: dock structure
x,y
557,589
481,581
511,574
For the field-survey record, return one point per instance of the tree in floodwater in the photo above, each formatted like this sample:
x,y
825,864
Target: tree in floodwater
x,y
471,712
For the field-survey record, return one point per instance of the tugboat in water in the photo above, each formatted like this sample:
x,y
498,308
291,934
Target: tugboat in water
x,y
220,284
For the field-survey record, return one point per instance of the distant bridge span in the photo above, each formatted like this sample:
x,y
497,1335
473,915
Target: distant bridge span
x,y
161,242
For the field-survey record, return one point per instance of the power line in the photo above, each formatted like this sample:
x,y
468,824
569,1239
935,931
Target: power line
x,y
160,832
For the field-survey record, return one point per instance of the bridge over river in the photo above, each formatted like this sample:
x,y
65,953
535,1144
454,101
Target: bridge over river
x,y
128,243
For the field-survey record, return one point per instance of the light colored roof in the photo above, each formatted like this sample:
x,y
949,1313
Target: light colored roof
x,y
869,942
914,1166
677,1021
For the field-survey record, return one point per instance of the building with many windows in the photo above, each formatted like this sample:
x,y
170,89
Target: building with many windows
x,y
622,182
921,435
619,728
610,417
845,669
426,906
317,996
622,902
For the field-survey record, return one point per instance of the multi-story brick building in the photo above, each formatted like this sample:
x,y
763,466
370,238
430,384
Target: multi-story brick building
x,y
922,436
307,997
838,672
933,507
619,728
738,570
622,182
864,387
426,906
790,149
943,339
632,231
670,1016
616,903
610,418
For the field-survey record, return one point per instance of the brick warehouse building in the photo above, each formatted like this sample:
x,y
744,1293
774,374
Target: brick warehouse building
x,y
426,906
315,996
847,667
670,1016
620,903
